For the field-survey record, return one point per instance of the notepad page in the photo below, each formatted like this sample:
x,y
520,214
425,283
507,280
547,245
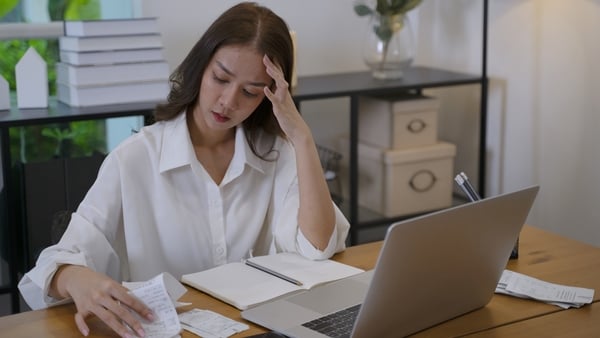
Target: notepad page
x,y
309,272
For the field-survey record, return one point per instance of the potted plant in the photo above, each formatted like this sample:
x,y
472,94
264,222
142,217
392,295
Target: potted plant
x,y
388,47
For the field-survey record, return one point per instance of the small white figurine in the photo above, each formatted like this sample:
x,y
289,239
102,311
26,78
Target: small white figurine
x,y
32,81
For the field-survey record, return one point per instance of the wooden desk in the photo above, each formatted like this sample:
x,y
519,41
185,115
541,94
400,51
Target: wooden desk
x,y
542,255
583,322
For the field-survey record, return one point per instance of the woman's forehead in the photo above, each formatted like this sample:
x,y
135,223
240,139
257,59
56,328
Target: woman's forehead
x,y
241,61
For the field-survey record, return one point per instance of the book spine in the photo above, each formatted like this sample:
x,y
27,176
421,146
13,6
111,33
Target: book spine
x,y
111,27
106,43
111,74
111,57
113,94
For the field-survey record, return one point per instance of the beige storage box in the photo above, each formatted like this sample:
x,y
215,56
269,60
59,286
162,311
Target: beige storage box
x,y
403,182
397,122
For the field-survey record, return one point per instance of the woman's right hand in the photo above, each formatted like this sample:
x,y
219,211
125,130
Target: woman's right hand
x,y
97,294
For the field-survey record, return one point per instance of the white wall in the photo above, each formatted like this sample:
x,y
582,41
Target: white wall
x,y
569,116
544,85
544,108
328,34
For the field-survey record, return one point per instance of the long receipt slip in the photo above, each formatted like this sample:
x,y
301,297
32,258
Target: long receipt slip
x,y
523,286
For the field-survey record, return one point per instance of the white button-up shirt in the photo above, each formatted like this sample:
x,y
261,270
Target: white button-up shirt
x,y
153,209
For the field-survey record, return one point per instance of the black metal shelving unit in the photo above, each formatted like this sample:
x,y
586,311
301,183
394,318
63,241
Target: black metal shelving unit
x,y
416,79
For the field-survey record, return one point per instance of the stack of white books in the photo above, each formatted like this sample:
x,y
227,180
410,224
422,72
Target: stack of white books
x,y
111,62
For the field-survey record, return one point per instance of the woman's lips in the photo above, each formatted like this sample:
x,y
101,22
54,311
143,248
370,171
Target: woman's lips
x,y
220,118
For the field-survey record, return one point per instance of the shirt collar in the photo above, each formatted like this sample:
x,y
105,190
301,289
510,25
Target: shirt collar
x,y
246,156
177,149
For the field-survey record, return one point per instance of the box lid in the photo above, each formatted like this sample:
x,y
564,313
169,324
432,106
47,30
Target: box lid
x,y
406,103
414,154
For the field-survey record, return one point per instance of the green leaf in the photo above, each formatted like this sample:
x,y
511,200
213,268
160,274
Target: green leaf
x,y
394,7
362,10
410,4
384,33
6,6
59,134
51,132
397,6
383,7
83,10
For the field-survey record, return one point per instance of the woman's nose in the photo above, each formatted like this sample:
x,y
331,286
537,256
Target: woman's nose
x,y
229,97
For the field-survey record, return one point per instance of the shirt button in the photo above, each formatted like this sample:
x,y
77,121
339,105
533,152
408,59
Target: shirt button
x,y
220,250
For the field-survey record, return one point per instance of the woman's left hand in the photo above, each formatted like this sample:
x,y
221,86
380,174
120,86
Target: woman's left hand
x,y
284,108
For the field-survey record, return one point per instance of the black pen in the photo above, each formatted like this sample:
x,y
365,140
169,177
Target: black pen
x,y
463,182
274,273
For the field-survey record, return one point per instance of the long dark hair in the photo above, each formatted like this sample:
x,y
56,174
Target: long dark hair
x,y
246,24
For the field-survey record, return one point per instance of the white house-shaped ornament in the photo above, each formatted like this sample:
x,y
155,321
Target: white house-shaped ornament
x,y
32,81
4,94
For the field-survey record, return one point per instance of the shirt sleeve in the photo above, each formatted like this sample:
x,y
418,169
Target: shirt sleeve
x,y
337,241
286,201
86,241
289,237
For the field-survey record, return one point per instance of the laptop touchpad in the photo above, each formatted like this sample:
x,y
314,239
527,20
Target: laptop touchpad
x,y
332,297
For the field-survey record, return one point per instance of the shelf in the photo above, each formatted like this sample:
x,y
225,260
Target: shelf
x,y
356,84
362,83
59,112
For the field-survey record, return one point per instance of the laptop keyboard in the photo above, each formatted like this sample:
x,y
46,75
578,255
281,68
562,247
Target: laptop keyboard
x,y
338,324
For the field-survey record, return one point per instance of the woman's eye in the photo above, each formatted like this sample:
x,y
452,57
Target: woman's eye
x,y
249,94
218,79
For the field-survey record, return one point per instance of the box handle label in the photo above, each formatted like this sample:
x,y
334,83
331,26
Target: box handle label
x,y
416,126
422,181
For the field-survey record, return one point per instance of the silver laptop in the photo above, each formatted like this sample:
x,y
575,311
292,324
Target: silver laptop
x,y
430,269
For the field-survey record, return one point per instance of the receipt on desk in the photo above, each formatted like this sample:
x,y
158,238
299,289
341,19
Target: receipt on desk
x,y
208,324
523,286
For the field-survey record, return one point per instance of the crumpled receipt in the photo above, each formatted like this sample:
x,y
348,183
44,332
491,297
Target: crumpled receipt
x,y
160,294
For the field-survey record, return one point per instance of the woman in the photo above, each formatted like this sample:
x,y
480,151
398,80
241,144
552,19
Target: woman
x,y
229,168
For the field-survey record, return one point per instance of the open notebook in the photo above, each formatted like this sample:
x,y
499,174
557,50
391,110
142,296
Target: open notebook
x,y
244,286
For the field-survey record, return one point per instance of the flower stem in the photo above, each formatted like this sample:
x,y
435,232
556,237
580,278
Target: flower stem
x,y
386,45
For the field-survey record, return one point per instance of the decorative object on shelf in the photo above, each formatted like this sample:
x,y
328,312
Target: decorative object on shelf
x,y
32,80
114,61
388,47
403,168
4,94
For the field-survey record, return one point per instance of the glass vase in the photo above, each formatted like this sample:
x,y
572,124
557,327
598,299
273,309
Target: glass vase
x,y
388,46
